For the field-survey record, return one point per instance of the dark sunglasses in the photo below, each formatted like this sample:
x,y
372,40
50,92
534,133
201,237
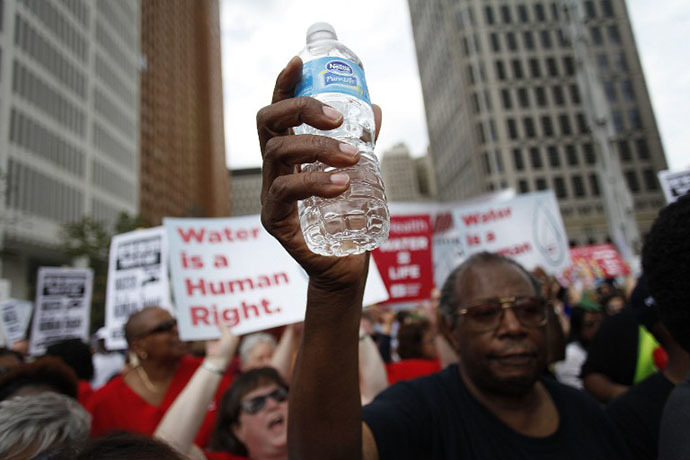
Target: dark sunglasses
x,y
487,314
165,326
254,405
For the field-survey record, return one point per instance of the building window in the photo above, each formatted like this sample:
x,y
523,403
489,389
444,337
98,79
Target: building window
x,y
505,97
505,14
511,41
618,125
578,186
545,39
475,103
495,42
650,181
470,74
642,149
603,62
523,186
523,99
528,124
558,98
574,95
540,183
554,158
569,65
614,36
594,184
500,70
571,155
512,128
528,39
590,157
540,95
634,118
610,91
489,15
589,9
631,179
517,69
619,62
487,163
539,12
522,13
582,126
624,151
597,38
607,8
552,67
480,133
517,160
534,68
559,187
564,121
499,161
627,90
535,157
546,126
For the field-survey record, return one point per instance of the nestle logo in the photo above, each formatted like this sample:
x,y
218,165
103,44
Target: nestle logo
x,y
340,67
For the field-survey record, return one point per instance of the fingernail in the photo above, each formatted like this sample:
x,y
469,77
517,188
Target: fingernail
x,y
331,113
291,61
339,179
347,148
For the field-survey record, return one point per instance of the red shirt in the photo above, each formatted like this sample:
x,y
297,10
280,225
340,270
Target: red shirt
x,y
84,392
117,407
408,369
222,456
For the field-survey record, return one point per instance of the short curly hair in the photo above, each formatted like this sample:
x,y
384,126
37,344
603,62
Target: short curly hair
x,y
666,267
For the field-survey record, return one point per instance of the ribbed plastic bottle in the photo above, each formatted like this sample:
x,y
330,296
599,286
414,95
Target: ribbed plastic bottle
x,y
358,220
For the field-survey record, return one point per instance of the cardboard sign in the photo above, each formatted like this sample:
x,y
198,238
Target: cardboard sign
x,y
405,260
231,270
63,306
528,228
14,318
594,262
674,184
137,278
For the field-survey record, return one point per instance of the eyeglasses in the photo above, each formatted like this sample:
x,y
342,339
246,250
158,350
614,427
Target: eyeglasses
x,y
487,314
254,405
165,326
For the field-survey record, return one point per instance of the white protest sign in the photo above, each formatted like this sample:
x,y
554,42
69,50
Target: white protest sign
x,y
231,270
137,278
528,228
5,288
63,306
674,184
14,318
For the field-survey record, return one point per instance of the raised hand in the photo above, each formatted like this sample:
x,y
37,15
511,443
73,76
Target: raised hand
x,y
284,184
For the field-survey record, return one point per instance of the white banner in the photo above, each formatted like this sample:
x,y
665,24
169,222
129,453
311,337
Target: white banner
x,y
231,270
528,228
63,306
674,184
137,278
14,318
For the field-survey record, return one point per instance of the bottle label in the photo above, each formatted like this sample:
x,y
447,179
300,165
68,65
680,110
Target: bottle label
x,y
332,75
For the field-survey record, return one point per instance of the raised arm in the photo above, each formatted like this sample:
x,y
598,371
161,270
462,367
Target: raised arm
x,y
285,351
183,420
325,410
372,370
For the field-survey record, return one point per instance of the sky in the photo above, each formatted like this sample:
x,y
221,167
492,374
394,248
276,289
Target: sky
x,y
260,36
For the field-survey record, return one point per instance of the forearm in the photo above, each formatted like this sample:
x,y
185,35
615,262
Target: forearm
x,y
182,421
282,357
373,378
602,387
325,406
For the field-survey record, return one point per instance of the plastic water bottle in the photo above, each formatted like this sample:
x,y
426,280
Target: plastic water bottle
x,y
357,220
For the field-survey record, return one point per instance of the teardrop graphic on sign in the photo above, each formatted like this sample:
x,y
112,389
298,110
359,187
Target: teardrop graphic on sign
x,y
547,237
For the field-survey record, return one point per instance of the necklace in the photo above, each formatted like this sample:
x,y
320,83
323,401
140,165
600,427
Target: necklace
x,y
147,382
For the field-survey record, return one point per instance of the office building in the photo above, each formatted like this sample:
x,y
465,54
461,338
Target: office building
x,y
504,109
69,124
245,191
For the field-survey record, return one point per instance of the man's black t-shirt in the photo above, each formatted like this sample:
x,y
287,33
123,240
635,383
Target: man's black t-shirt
x,y
435,417
613,351
675,424
637,414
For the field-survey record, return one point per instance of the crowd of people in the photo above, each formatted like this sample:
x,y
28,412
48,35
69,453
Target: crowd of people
x,y
500,362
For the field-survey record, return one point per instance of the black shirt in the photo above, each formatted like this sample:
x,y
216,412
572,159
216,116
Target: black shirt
x,y
613,351
637,414
435,417
675,424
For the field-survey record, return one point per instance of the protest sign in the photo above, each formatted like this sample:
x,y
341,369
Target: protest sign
x,y
63,305
137,278
594,262
14,318
231,270
405,259
527,228
5,286
674,184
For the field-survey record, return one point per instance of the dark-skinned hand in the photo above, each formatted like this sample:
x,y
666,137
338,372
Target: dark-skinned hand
x,y
284,184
